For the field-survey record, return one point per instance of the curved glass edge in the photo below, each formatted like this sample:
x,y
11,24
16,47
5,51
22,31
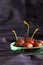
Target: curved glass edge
x,y
14,48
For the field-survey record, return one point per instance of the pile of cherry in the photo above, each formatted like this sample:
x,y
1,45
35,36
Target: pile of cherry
x,y
27,41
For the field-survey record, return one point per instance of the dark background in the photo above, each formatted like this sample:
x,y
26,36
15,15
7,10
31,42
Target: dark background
x,y
12,15
14,12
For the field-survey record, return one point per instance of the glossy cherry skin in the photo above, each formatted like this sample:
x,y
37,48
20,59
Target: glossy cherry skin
x,y
29,40
28,45
37,44
39,41
20,42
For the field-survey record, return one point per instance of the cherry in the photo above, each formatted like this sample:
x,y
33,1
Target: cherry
x,y
37,44
20,42
29,40
28,45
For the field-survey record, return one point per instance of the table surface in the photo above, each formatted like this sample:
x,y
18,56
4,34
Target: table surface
x,y
8,57
13,58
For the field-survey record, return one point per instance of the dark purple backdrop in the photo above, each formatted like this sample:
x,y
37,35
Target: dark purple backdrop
x,y
12,14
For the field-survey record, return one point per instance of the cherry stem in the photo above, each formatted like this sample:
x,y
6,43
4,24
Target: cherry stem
x,y
34,32
28,26
15,34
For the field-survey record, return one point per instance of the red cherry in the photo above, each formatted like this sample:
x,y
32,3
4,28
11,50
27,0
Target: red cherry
x,y
29,40
28,45
37,44
39,41
19,42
